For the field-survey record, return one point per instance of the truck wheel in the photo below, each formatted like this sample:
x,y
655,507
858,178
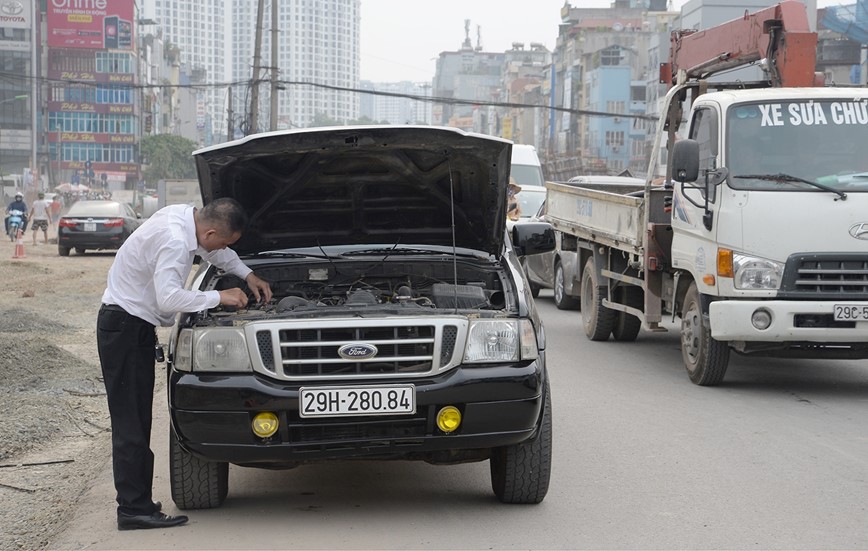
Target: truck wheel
x,y
562,300
627,326
520,473
706,359
62,251
596,318
195,483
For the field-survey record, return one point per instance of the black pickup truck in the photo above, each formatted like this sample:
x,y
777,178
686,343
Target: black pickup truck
x,y
401,327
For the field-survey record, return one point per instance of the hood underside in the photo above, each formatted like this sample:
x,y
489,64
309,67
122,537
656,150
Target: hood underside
x,y
363,185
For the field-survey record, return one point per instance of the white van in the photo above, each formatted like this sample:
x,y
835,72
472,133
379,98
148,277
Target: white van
x,y
526,168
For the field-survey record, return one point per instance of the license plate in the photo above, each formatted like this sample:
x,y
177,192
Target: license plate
x,y
851,312
347,401
90,226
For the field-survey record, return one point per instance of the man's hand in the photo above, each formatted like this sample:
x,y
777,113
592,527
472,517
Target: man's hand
x,y
259,287
233,297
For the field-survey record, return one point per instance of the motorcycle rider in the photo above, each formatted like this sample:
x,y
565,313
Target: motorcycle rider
x,y
19,205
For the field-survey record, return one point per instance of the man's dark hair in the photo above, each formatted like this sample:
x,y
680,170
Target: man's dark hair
x,y
225,213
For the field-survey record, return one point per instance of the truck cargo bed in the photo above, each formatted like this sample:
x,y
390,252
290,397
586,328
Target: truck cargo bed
x,y
602,213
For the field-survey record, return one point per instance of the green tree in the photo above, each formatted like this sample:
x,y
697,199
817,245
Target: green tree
x,y
365,120
167,157
321,119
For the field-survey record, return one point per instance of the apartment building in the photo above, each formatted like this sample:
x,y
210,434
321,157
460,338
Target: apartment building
x,y
318,61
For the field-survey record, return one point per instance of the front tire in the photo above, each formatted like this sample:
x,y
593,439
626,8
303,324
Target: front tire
x,y
706,359
195,483
598,320
521,473
563,301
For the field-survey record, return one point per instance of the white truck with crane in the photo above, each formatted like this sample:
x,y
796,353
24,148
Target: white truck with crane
x,y
758,240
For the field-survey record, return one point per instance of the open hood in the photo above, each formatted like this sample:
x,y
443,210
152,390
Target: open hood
x,y
363,185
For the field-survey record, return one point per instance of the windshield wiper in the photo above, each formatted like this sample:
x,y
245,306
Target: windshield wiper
x,y
279,254
781,177
391,251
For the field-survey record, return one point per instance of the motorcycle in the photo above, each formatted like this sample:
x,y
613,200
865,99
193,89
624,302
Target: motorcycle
x,y
16,222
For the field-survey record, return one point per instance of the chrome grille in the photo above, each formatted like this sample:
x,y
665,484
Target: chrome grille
x,y
832,276
305,349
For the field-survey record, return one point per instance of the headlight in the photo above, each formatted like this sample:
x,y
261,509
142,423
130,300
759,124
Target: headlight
x,y
756,273
220,349
500,341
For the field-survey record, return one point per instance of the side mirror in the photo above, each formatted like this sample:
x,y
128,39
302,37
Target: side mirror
x,y
533,238
685,161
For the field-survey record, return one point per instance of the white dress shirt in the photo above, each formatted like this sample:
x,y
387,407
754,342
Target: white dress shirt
x,y
151,268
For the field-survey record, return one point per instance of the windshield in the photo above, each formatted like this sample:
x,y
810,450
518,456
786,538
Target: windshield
x,y
822,141
527,175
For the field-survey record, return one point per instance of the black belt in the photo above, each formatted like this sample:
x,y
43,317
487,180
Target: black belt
x,y
116,308
112,308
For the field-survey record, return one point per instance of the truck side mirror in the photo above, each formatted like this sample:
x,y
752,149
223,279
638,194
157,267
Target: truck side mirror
x,y
685,161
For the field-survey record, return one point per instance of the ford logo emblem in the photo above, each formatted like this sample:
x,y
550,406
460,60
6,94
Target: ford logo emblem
x,y
357,351
859,231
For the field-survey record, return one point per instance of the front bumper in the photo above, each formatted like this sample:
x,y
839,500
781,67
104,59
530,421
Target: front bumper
x,y
212,414
792,321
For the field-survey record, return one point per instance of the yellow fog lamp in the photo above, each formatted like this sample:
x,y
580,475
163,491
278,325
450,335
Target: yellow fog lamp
x,y
265,424
448,419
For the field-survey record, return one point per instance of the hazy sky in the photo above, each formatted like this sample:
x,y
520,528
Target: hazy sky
x,y
400,39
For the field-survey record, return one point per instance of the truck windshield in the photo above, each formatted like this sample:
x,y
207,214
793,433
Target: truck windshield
x,y
821,141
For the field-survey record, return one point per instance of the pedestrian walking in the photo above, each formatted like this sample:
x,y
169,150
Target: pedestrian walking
x,y
40,216
145,289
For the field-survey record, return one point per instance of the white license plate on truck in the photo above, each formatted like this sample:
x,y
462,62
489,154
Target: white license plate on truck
x,y
346,401
851,312
90,226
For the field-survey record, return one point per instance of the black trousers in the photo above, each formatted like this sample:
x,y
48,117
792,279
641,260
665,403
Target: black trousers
x,y
126,354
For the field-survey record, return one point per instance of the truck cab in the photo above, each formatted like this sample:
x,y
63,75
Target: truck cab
x,y
769,230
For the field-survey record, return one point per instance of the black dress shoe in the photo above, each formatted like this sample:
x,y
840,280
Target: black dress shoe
x,y
154,520
158,506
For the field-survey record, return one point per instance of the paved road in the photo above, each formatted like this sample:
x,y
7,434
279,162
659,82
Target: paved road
x,y
777,457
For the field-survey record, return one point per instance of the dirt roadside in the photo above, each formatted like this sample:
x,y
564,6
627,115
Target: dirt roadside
x,y
54,423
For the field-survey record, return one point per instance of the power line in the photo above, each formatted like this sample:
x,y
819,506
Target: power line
x,y
422,98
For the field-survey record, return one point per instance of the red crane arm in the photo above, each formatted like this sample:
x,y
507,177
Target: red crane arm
x,y
779,34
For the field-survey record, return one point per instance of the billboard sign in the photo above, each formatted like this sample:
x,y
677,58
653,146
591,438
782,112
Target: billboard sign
x,y
93,24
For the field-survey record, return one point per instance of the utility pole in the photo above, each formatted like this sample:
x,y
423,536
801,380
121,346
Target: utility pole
x,y
273,110
34,102
230,126
253,127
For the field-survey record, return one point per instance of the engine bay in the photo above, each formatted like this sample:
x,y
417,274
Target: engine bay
x,y
363,288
